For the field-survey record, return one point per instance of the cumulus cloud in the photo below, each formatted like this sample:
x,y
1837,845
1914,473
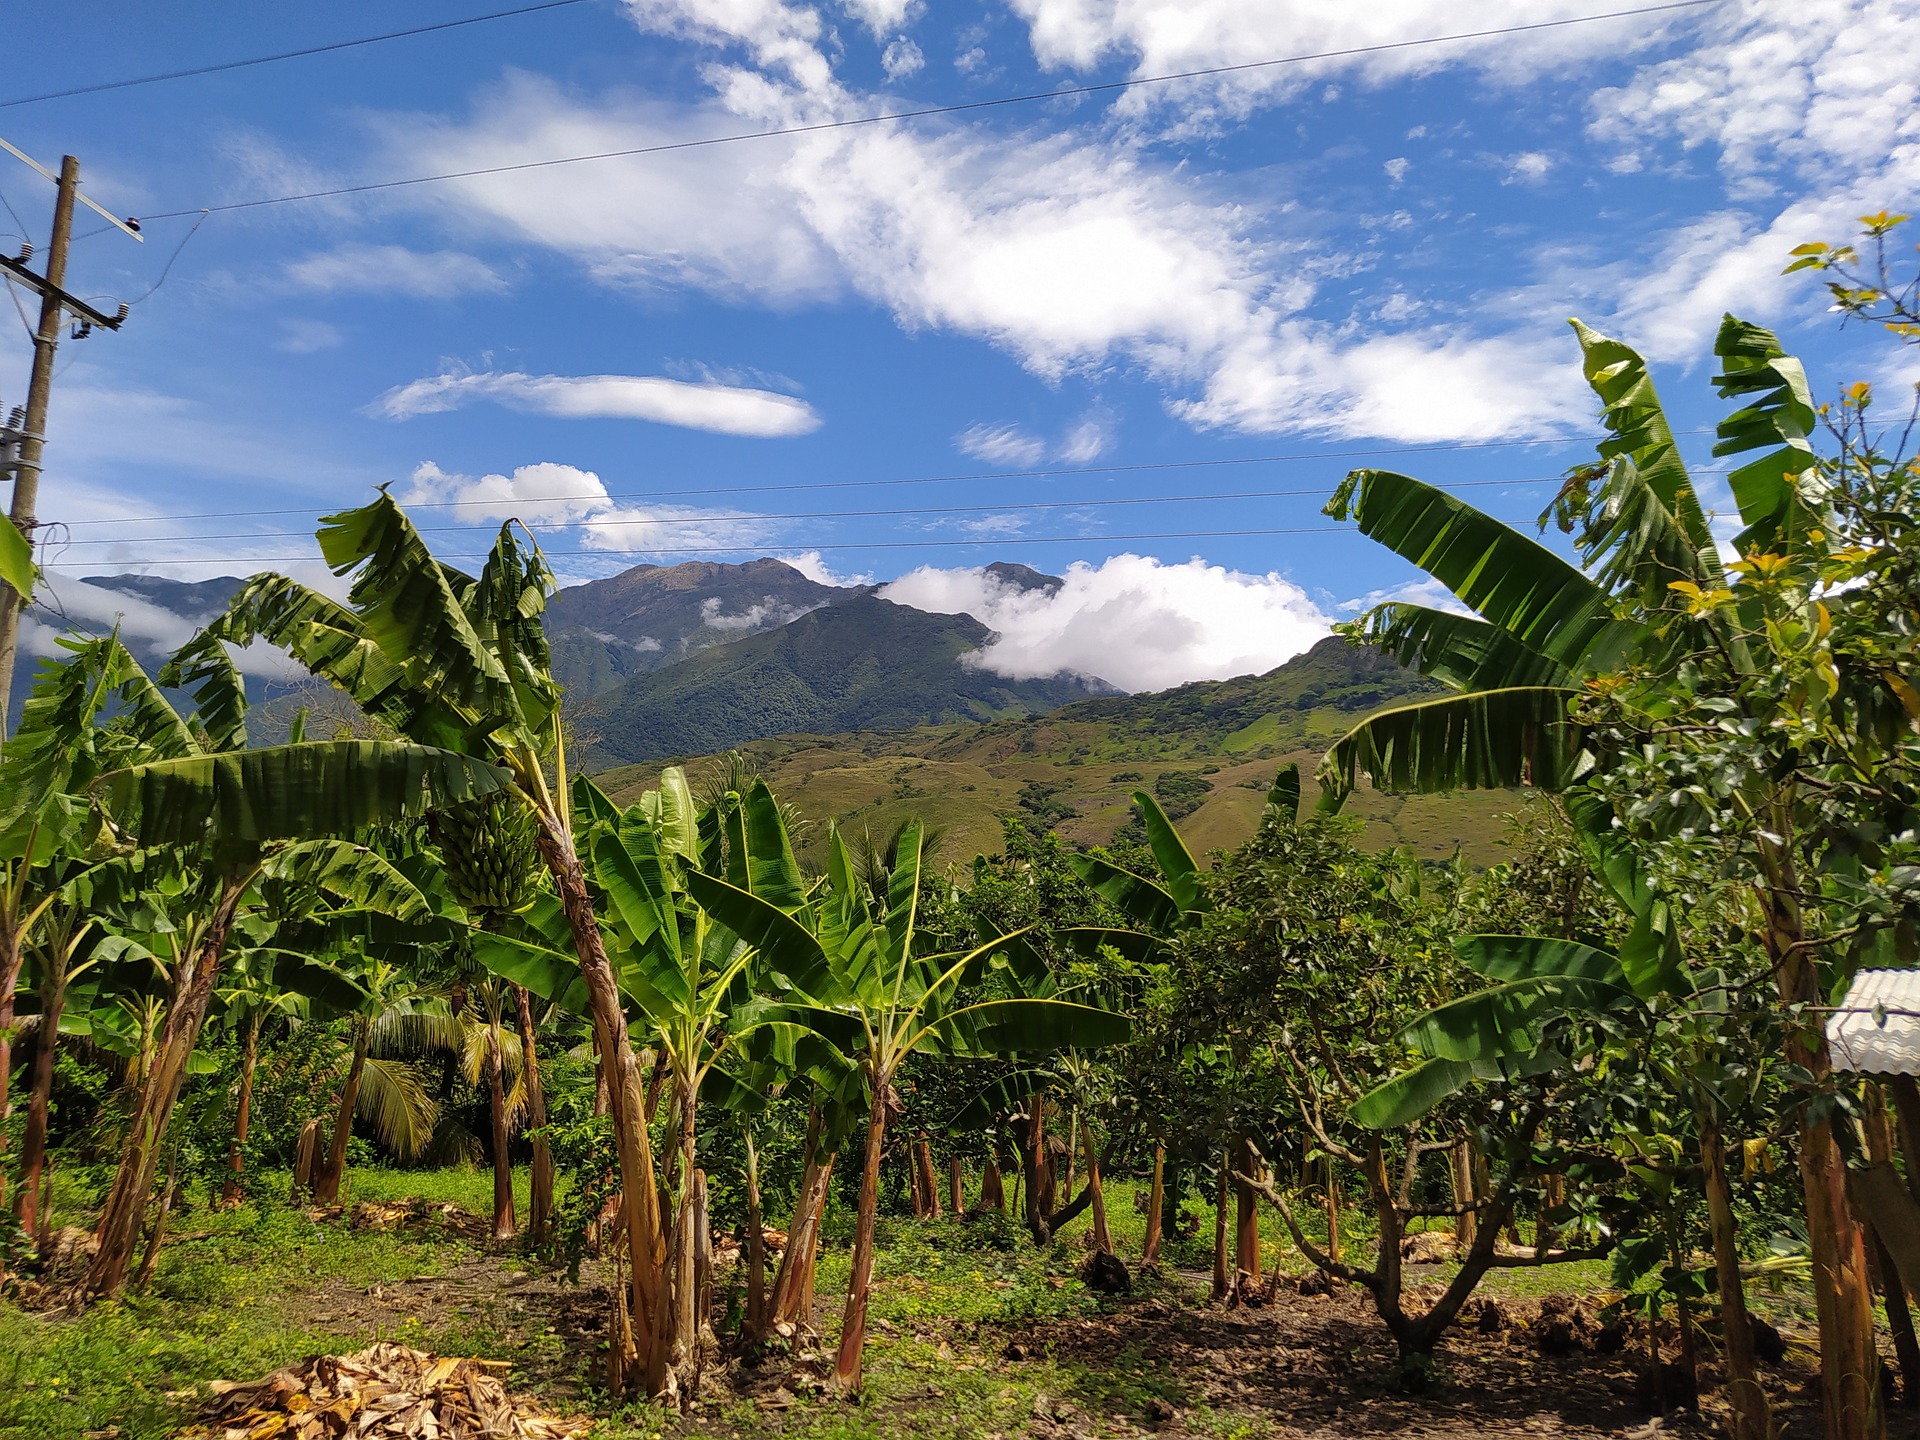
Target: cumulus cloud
x,y
1397,168
1428,592
723,409
557,496
395,270
1782,85
882,17
902,58
1529,167
813,565
763,615
1132,620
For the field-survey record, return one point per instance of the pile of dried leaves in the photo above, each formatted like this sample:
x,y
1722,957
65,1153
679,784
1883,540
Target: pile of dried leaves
x,y
410,1215
387,1392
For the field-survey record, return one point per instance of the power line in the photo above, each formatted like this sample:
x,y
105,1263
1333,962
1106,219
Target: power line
x,y
1000,541
555,525
982,476
1032,97
282,55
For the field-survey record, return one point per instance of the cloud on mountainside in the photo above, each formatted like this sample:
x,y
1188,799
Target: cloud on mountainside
x,y
723,409
1132,620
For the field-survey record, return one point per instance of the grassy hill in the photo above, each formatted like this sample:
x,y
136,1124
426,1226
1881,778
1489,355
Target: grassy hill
x,y
1207,750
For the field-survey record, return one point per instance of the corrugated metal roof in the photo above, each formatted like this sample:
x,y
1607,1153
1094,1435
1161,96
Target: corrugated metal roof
x,y
1864,1043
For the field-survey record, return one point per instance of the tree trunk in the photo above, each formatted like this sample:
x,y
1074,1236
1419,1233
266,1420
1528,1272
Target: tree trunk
x,y
119,1227
231,1194
504,1222
33,1142
12,957
810,1262
1843,1297
853,1329
1156,1202
1553,1194
1036,1165
326,1187
1246,1236
755,1320
1102,1238
1906,1345
916,1185
993,1190
641,1203
686,1181
923,1173
1465,1224
1335,1249
540,1214
1222,1271
784,1305
1073,1149
1744,1394
157,1236
702,1332
957,1186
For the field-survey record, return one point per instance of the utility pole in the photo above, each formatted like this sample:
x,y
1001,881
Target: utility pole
x,y
29,441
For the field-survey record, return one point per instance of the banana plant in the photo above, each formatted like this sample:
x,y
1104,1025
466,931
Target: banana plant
x,y
860,978
1652,628
458,663
693,984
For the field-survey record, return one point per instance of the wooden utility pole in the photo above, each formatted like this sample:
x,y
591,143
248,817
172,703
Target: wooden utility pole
x,y
31,440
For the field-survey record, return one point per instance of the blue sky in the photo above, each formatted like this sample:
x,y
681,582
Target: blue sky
x,y
1146,292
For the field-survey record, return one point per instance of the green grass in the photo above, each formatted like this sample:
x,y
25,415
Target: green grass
x,y
227,1302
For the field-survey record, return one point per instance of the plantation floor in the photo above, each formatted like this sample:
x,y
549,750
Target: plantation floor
x,y
969,1340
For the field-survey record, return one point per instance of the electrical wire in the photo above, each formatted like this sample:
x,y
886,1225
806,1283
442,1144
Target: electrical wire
x,y
555,525
977,477
129,84
1068,92
998,541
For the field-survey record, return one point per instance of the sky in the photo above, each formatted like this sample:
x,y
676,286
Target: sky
x,y
1132,337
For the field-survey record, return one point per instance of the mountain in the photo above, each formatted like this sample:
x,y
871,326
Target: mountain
x,y
1208,751
195,600
862,663
653,616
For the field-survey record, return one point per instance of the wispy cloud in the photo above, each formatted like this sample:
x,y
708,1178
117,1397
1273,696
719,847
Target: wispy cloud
x,y
723,409
395,270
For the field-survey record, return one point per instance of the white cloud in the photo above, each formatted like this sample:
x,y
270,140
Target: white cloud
x,y
1172,36
1131,620
1086,442
1428,592
1001,444
882,17
1529,167
645,644
564,496
902,58
395,270
67,606
1397,168
813,565
1818,87
763,615
723,409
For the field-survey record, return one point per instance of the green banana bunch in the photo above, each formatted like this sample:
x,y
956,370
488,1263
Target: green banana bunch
x,y
491,860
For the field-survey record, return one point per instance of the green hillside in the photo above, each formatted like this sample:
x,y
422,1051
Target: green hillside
x,y
861,664
1208,750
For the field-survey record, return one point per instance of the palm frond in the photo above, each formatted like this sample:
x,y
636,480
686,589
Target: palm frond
x,y
394,1102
